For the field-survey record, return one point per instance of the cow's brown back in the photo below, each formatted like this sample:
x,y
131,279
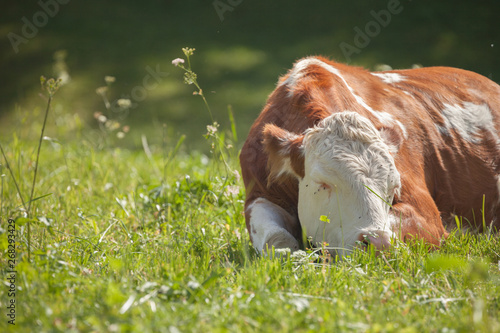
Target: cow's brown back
x,y
435,159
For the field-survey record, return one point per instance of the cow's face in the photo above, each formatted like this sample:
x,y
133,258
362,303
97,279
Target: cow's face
x,y
347,179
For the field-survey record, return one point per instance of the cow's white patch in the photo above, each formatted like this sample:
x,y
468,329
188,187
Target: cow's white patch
x,y
387,119
390,77
467,120
298,72
344,156
442,130
408,94
384,117
267,224
403,129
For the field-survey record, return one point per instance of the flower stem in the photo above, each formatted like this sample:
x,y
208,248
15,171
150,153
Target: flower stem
x,y
36,173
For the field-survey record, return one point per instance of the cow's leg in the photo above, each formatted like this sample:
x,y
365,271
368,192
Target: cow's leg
x,y
270,226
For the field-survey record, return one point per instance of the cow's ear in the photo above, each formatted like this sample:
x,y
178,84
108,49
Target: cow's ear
x,y
392,138
284,152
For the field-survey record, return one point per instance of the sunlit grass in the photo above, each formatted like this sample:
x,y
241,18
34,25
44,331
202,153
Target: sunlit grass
x,y
154,240
118,248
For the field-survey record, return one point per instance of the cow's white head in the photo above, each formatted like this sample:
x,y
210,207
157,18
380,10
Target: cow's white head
x,y
347,179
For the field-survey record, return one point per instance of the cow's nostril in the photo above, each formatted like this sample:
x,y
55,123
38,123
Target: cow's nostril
x,y
379,239
363,240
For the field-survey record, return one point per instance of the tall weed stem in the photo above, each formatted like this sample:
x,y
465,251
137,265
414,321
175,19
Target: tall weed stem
x,y
190,77
52,86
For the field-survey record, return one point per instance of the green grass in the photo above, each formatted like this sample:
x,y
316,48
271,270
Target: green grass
x,y
154,240
122,250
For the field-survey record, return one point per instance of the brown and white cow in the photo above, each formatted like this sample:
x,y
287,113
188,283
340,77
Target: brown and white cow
x,y
380,154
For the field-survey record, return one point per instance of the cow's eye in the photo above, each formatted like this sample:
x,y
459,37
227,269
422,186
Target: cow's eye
x,y
324,186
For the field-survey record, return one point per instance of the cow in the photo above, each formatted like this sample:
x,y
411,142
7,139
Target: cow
x,y
349,157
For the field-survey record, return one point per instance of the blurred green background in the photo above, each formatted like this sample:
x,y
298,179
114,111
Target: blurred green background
x,y
242,47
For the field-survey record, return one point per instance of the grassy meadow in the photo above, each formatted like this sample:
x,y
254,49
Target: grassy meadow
x,y
111,239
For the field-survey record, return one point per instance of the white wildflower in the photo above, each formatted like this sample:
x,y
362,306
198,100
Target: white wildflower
x,y
177,61
102,118
109,79
124,103
300,303
282,251
236,175
101,90
193,285
232,190
212,129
